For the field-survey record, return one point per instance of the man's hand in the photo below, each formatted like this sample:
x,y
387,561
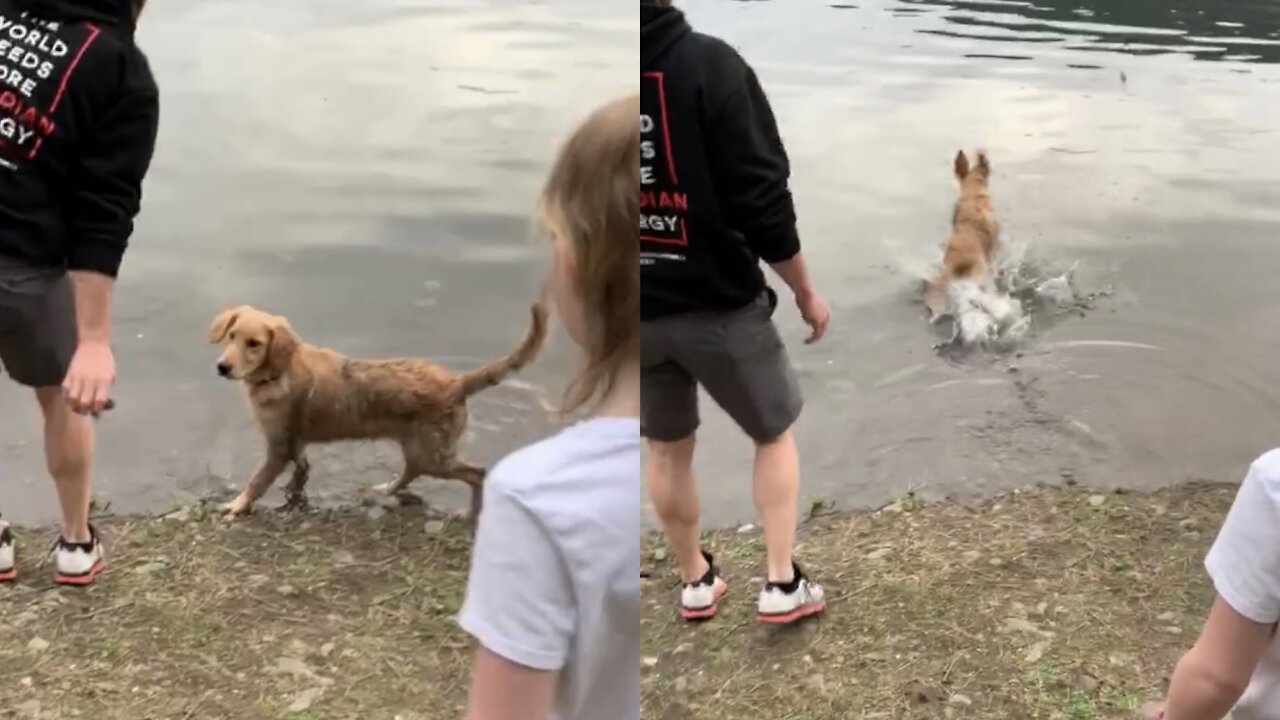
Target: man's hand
x,y
90,377
813,308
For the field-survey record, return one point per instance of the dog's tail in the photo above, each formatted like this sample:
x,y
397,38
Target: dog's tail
x,y
498,370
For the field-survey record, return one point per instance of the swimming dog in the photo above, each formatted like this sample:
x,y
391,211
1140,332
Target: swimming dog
x,y
966,288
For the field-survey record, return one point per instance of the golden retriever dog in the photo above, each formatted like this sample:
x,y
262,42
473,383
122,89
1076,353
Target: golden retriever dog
x,y
975,235
302,395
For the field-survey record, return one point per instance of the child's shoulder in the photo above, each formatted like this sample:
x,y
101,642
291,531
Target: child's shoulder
x,y
583,453
1266,470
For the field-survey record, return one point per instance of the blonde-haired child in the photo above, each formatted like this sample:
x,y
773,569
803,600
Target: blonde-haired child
x,y
554,594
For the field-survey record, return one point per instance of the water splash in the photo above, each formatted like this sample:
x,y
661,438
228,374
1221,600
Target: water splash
x,y
1027,294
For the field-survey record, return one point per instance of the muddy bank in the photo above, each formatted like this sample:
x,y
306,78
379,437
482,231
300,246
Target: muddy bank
x,y
310,616
1048,603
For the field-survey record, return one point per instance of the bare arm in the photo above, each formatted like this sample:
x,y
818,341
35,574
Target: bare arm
x,y
503,690
93,305
795,274
1212,676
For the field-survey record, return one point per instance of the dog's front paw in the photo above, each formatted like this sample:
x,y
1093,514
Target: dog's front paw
x,y
239,507
389,488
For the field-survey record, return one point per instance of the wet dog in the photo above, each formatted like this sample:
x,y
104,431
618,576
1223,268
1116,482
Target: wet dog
x,y
303,395
965,288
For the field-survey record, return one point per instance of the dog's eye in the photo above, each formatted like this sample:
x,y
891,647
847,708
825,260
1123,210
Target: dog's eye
x,y
253,343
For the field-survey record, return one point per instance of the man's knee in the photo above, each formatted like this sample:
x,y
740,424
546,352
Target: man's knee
x,y
769,440
672,454
49,397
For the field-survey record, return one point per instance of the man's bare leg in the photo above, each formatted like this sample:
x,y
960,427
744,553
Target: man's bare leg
x,y
669,475
68,450
777,495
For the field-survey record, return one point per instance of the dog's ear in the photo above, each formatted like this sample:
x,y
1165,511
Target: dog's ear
x,y
223,323
961,166
984,165
284,344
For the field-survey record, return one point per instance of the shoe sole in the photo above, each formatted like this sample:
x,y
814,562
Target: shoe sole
x,y
800,613
9,575
709,611
81,580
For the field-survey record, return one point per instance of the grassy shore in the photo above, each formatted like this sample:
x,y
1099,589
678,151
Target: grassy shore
x,y
1047,603
310,616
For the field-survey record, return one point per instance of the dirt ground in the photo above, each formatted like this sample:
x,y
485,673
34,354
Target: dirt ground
x,y
1047,603
1042,604
314,616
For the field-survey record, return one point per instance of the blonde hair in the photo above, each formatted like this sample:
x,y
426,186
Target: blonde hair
x,y
592,197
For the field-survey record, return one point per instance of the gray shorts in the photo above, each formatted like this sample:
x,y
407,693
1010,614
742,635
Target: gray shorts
x,y
37,324
737,357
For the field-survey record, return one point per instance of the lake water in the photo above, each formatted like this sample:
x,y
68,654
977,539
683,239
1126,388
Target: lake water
x,y
367,169
1136,138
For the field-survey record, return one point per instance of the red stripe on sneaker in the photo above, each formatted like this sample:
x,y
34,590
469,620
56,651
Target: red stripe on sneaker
x,y
799,613
9,575
81,580
708,612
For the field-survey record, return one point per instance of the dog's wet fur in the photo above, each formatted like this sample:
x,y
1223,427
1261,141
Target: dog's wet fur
x,y
975,234
302,395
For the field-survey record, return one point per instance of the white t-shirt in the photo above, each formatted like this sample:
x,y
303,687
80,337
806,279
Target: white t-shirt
x,y
1244,564
555,571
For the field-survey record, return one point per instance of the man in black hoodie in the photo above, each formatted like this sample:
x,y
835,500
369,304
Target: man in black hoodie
x,y
714,203
78,116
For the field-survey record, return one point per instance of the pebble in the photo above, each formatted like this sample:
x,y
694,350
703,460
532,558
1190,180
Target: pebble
x,y
961,700
376,512
660,554
1097,500
433,527
305,700
745,529
880,554
287,590
1165,617
38,644
649,662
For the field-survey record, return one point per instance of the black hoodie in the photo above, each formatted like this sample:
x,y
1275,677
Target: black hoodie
x,y
78,116
714,200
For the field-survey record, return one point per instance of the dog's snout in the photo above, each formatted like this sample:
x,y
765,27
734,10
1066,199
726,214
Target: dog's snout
x,y
224,369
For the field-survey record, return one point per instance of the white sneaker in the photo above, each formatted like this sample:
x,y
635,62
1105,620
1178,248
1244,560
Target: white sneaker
x,y
701,600
8,565
78,563
783,605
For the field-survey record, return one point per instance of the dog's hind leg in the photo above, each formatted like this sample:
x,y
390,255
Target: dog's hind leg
x,y
415,466
472,475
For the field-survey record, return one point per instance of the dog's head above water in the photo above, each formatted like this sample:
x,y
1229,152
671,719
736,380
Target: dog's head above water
x,y
258,346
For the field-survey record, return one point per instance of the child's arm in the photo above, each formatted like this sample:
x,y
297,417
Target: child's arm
x,y
1212,676
505,690
520,608
1244,564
